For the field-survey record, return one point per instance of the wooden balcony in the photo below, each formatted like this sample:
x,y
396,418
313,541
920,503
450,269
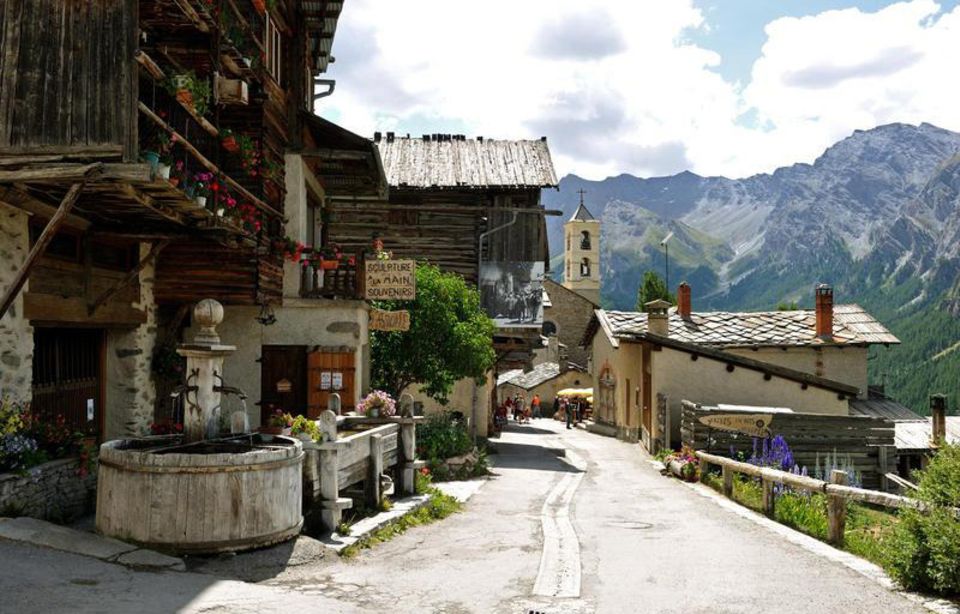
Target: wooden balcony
x,y
343,282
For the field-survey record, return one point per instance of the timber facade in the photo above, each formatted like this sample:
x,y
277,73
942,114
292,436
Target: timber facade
x,y
153,154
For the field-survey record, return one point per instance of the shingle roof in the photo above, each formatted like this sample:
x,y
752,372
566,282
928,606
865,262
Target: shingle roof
x,y
851,326
883,408
506,378
582,214
457,162
916,435
543,372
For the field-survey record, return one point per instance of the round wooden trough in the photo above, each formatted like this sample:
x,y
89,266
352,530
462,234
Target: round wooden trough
x,y
200,498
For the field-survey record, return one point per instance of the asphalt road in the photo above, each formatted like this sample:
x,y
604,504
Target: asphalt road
x,y
598,530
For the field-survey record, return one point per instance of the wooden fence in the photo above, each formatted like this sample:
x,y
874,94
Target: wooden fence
x,y
836,490
867,442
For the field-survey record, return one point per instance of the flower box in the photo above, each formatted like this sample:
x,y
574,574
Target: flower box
x,y
329,265
185,97
232,91
230,144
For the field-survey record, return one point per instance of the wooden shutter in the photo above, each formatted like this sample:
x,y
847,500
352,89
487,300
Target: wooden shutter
x,y
320,386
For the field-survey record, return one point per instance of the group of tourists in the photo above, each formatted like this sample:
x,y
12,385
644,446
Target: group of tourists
x,y
572,409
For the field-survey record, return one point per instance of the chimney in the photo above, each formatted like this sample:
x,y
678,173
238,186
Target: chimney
x,y
377,136
938,409
824,312
658,320
390,136
683,300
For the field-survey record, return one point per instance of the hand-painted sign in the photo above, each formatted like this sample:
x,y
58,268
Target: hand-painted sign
x,y
389,320
390,280
755,425
284,385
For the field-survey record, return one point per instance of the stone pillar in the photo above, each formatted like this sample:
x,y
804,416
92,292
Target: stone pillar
x,y
204,373
16,334
331,504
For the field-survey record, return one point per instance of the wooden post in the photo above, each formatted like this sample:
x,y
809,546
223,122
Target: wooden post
x,y
704,465
836,510
727,481
331,504
376,468
40,246
126,281
768,498
882,463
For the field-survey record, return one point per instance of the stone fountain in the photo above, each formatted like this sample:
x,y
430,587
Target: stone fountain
x,y
202,492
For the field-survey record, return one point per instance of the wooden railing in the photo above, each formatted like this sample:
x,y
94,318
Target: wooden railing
x,y
342,282
836,490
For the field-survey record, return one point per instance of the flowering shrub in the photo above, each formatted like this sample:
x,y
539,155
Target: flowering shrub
x,y
203,183
773,453
291,249
688,461
26,440
302,424
380,401
280,419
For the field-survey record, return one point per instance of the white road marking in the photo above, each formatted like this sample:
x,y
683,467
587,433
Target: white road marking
x,y
559,574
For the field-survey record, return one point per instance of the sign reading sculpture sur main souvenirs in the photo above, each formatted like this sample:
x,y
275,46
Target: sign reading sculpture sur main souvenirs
x,y
756,425
389,320
390,280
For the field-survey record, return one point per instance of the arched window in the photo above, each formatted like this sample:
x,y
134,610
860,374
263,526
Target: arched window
x,y
585,267
549,328
585,239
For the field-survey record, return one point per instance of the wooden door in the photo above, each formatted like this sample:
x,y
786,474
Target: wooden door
x,y
329,372
647,411
283,380
68,367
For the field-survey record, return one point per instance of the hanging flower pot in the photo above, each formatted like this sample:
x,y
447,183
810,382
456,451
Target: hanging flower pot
x,y
185,97
329,265
260,5
230,144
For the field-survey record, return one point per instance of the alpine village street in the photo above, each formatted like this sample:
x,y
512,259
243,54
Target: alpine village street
x,y
675,329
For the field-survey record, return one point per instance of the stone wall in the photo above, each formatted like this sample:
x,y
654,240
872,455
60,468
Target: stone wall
x,y
16,334
571,313
52,491
130,388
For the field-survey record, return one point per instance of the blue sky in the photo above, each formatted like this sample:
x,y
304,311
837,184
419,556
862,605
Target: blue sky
x,y
656,87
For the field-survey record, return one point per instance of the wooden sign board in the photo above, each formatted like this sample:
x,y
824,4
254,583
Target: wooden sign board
x,y
755,425
389,320
284,385
390,280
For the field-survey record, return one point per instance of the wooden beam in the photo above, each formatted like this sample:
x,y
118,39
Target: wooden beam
x,y
385,206
191,14
38,248
81,173
335,154
210,166
126,281
17,196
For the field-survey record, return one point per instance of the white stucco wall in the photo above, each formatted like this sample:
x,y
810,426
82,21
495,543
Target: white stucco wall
x,y
847,365
130,389
325,323
624,363
16,334
466,397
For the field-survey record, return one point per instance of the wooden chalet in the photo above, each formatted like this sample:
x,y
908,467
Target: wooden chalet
x,y
457,203
102,251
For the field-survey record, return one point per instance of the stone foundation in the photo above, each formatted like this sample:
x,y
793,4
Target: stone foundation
x,y
52,491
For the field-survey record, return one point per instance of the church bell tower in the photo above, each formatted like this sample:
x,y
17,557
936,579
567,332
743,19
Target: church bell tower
x,y
581,265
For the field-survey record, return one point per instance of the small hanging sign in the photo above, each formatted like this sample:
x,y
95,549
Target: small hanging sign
x,y
284,385
390,280
389,320
755,425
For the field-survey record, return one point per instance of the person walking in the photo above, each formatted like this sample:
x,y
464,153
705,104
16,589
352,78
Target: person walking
x,y
568,409
556,407
535,406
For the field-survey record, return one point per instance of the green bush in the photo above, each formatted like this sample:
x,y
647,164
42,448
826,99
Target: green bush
x,y
442,437
924,553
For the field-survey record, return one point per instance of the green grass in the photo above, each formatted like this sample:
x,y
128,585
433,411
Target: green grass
x,y
439,507
866,531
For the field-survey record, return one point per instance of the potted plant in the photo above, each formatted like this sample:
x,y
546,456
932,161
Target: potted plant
x,y
279,423
260,5
190,91
292,250
201,188
249,155
229,140
330,257
165,148
377,404
306,429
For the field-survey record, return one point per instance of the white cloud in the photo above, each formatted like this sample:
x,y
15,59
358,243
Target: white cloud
x,y
629,93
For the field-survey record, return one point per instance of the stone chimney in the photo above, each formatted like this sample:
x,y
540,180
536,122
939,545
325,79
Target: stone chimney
x,y
938,409
824,312
683,300
658,320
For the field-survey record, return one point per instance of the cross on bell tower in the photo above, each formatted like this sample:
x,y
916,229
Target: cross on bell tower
x,y
581,264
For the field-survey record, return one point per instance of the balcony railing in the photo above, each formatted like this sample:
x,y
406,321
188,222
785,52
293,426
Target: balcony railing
x,y
339,278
